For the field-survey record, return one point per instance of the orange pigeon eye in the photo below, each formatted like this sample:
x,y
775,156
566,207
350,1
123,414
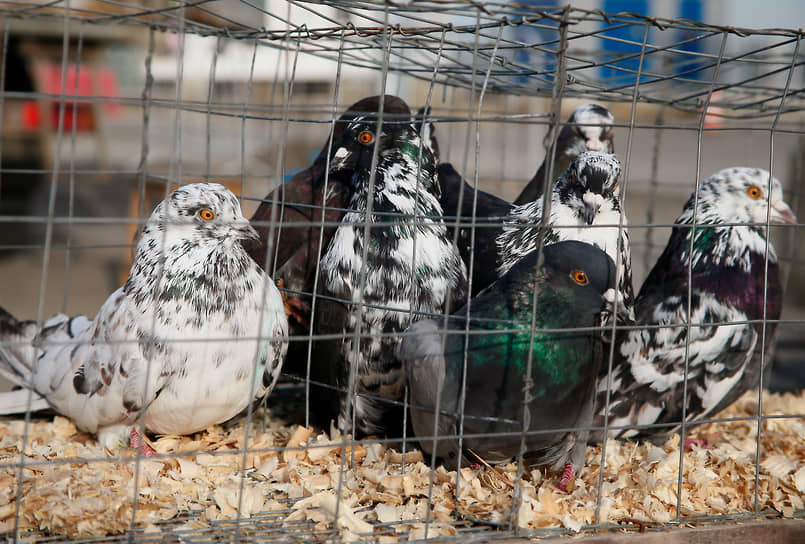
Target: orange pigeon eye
x,y
753,192
366,137
579,277
206,214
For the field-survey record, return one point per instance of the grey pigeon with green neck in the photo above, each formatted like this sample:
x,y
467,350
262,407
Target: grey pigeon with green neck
x,y
727,269
573,285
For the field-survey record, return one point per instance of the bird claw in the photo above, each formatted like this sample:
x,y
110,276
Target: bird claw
x,y
137,441
298,309
568,476
294,306
699,442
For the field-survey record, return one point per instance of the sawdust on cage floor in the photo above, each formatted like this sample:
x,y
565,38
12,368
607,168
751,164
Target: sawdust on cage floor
x,y
94,490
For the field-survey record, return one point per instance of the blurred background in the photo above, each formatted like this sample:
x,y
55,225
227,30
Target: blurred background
x,y
237,92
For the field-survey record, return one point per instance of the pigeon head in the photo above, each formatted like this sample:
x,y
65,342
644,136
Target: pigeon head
x,y
201,212
741,195
590,184
732,208
405,163
579,266
356,132
588,129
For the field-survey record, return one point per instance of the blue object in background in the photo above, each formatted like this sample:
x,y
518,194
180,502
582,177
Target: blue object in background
x,y
613,48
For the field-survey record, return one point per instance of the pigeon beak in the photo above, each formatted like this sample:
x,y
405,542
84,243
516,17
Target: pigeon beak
x,y
340,158
594,145
615,306
245,231
589,212
781,213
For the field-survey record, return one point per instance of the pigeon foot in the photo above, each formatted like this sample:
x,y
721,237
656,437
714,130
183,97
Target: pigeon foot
x,y
294,306
699,442
568,475
137,441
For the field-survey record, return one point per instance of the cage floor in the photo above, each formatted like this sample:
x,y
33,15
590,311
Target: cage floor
x,y
284,487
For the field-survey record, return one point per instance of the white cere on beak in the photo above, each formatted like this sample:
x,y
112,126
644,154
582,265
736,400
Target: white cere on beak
x,y
593,199
594,144
339,157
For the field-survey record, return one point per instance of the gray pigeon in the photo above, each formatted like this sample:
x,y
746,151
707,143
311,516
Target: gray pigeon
x,y
197,332
573,287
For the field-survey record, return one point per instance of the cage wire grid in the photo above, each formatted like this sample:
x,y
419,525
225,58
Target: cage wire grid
x,y
504,70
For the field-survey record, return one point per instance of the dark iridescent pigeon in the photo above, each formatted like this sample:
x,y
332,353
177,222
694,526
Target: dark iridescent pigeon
x,y
728,285
574,285
589,128
295,250
585,206
410,266
197,332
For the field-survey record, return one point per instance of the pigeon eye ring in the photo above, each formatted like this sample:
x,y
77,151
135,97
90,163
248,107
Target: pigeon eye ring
x,y
753,191
579,277
366,137
206,214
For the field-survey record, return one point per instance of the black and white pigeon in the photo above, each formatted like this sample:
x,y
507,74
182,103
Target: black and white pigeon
x,y
589,128
727,277
574,286
197,332
301,206
410,267
306,217
585,206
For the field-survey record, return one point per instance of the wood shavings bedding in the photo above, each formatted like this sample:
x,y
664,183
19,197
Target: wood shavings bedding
x,y
74,488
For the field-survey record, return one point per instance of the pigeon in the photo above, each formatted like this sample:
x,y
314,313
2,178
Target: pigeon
x,y
725,275
490,210
585,206
411,268
299,207
295,249
197,332
589,128
574,287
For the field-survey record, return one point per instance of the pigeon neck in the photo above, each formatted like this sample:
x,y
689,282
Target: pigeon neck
x,y
199,276
730,263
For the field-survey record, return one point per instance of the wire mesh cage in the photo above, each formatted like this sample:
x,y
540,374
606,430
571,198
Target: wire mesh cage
x,y
109,106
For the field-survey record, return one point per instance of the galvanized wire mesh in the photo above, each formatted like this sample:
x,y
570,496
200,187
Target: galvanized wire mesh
x,y
244,92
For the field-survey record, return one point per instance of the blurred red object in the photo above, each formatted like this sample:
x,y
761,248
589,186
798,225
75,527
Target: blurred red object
x,y
86,82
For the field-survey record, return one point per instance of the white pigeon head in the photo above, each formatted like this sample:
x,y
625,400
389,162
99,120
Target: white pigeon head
x,y
741,195
590,184
201,213
590,129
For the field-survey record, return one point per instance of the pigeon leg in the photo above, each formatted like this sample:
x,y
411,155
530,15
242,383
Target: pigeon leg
x,y
138,441
568,475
